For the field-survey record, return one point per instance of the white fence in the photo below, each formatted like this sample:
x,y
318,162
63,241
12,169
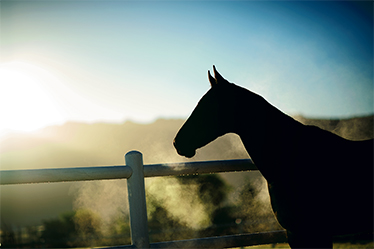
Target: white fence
x,y
134,172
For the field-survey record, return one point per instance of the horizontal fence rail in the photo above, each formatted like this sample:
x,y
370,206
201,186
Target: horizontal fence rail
x,y
238,240
135,172
122,172
64,175
204,167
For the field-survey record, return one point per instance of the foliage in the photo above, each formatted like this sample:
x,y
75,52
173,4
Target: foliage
x,y
163,226
7,236
118,231
87,225
58,233
73,229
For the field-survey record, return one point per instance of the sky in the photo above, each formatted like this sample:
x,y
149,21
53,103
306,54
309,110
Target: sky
x,y
103,61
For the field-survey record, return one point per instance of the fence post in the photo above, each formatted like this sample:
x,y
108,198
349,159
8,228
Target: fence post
x,y
137,203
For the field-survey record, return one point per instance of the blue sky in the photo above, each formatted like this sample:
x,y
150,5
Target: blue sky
x,y
112,61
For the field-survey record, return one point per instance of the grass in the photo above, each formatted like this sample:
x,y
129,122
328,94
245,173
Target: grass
x,y
369,245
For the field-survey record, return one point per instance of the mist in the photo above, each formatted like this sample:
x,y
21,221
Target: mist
x,y
179,200
106,198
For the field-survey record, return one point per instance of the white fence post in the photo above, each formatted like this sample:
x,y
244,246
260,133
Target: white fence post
x,y
137,202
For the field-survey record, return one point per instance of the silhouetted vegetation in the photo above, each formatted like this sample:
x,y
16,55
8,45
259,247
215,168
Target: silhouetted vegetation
x,y
163,227
8,237
59,232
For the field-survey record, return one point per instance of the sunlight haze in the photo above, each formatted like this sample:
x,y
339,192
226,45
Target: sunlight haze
x,y
25,104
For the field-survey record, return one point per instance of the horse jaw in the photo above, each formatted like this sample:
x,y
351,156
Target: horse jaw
x,y
184,152
188,154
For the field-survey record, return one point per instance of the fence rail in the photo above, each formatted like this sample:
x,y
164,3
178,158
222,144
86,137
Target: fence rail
x,y
121,171
64,174
134,171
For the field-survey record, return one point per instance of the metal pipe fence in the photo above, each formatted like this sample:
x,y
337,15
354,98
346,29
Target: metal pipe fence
x,y
134,171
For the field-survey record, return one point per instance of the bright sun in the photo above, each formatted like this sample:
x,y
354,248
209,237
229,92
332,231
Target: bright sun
x,y
25,104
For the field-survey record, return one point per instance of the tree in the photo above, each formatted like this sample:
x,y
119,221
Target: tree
x,y
163,226
88,227
8,239
58,233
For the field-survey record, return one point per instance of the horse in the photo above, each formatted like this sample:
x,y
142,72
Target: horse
x,y
320,184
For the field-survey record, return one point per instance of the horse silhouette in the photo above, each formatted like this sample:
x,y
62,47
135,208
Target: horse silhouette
x,y
320,184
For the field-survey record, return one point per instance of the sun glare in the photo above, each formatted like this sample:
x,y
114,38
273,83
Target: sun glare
x,y
25,104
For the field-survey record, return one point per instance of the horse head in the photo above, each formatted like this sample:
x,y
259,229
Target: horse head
x,y
210,118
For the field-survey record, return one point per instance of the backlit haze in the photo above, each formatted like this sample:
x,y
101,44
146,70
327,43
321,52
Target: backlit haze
x,y
100,61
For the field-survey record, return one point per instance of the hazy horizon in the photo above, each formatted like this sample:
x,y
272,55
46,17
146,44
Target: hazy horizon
x,y
7,132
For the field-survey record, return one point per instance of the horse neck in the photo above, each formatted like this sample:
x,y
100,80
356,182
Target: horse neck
x,y
265,132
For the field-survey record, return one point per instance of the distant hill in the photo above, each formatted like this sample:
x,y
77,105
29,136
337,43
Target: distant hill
x,y
79,144
359,128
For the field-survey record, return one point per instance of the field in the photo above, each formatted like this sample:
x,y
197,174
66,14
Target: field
x,y
335,246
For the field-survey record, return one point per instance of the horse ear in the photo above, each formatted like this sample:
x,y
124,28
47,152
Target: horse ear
x,y
218,77
212,80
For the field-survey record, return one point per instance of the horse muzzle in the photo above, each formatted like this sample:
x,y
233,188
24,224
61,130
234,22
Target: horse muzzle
x,y
183,151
